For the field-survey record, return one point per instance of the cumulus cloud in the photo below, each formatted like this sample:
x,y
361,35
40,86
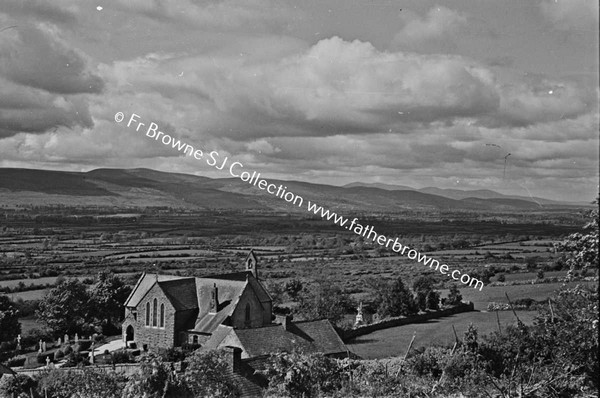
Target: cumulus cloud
x,y
335,87
439,22
42,80
37,57
572,14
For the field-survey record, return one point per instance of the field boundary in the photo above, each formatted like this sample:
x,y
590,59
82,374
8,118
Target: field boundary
x,y
122,368
400,321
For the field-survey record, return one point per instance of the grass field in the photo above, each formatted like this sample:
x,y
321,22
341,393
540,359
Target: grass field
x,y
394,341
497,293
28,295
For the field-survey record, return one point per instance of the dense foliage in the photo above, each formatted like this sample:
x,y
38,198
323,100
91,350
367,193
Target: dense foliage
x,y
71,308
324,300
9,320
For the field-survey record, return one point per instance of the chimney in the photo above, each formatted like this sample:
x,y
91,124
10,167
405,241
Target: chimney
x,y
214,299
236,358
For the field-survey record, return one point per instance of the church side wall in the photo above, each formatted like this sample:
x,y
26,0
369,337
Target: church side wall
x,y
155,337
238,317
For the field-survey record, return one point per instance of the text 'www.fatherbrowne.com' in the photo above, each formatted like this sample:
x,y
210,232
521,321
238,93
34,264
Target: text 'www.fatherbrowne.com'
x,y
236,169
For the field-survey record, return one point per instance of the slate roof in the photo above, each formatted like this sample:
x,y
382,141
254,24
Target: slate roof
x,y
307,337
187,293
144,284
217,337
181,293
229,294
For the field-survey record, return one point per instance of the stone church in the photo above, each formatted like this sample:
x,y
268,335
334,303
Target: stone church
x,y
232,309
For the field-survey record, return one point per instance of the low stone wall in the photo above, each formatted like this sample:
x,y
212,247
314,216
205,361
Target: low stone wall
x,y
405,320
126,369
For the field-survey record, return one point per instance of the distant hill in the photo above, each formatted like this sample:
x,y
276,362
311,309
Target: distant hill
x,y
459,194
387,187
125,188
483,194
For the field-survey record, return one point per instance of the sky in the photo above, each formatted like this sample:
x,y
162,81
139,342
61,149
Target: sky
x,y
416,92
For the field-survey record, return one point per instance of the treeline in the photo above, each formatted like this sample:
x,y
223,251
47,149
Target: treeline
x,y
386,299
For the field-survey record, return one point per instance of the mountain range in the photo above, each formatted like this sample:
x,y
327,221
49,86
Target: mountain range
x,y
126,188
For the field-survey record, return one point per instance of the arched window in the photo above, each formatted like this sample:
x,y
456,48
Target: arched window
x,y
154,312
162,315
148,314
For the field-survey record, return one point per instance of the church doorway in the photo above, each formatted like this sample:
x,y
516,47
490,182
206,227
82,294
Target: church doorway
x,y
129,335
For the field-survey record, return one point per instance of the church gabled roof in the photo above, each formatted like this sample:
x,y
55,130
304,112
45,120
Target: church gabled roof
x,y
311,336
306,336
181,293
229,292
144,284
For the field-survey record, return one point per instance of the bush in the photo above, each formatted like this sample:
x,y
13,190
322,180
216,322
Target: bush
x,y
429,361
121,356
501,278
7,346
33,336
65,384
297,375
41,357
58,355
16,361
84,345
173,354
76,359
16,386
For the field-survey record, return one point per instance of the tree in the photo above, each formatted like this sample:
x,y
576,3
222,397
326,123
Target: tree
x,y
531,262
422,288
454,296
396,300
540,274
323,300
432,301
65,308
293,288
206,374
581,249
107,298
9,319
275,290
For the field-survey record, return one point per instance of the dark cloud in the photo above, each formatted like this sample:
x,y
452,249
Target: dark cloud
x,y
43,82
37,58
29,110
